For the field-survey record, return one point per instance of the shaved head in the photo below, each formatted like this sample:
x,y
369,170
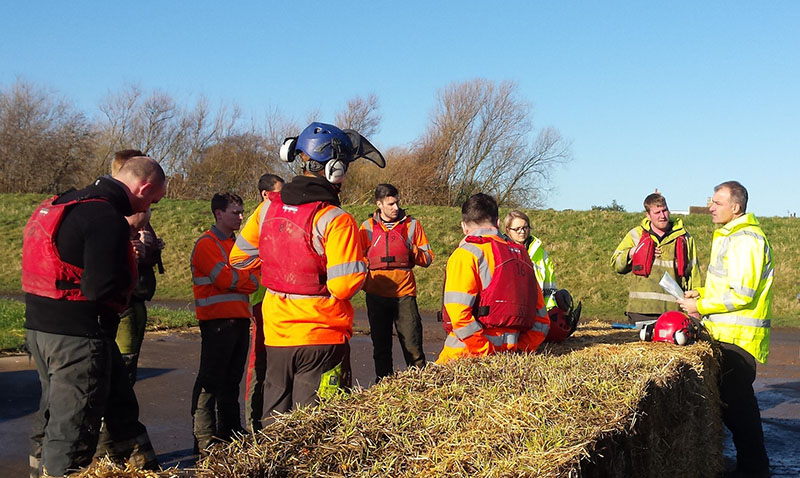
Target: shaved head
x,y
145,181
142,167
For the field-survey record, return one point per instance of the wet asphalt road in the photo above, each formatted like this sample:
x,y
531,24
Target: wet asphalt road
x,y
168,366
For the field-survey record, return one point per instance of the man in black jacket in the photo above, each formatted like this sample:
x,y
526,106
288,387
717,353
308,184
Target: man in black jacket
x,y
74,292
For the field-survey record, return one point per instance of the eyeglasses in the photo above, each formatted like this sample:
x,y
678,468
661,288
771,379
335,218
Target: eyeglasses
x,y
519,229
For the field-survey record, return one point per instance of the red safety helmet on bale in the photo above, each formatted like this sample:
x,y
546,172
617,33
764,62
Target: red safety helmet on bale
x,y
672,327
563,318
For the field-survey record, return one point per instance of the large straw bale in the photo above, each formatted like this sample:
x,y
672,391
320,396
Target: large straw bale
x,y
600,404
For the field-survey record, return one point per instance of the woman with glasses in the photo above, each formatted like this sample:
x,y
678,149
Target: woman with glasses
x,y
517,227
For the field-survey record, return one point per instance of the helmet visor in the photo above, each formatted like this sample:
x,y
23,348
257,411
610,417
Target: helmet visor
x,y
362,148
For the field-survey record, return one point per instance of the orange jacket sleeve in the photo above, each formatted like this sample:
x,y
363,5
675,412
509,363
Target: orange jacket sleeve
x,y
346,266
420,247
244,254
461,288
211,262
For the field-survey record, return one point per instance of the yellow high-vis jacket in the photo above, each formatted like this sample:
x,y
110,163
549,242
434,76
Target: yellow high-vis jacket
x,y
220,291
396,282
294,319
737,298
469,271
645,294
543,267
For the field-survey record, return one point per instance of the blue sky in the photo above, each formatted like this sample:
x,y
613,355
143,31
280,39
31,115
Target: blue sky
x,y
676,95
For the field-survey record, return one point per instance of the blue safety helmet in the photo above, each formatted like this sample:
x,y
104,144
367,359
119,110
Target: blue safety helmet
x,y
323,142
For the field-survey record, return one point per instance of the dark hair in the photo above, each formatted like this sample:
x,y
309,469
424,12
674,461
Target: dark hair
x,y
479,208
738,193
121,157
268,181
221,201
385,190
654,199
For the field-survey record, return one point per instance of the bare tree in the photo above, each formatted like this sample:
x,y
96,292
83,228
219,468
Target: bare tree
x,y
362,115
233,164
43,141
175,135
479,138
416,179
277,128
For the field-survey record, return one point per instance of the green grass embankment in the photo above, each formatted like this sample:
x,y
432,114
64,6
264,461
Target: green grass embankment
x,y
580,244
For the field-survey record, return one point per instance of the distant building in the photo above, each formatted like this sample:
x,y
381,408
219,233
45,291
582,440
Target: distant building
x,y
699,210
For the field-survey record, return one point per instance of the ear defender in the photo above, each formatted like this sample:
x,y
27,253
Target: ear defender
x,y
646,333
681,337
335,171
287,152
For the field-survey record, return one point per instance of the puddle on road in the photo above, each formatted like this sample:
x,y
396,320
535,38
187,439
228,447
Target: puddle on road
x,y
780,420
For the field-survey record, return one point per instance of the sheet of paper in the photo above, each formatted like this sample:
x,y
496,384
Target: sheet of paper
x,y
670,286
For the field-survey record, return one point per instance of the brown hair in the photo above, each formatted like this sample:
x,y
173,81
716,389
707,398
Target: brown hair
x,y
121,157
479,208
654,199
738,193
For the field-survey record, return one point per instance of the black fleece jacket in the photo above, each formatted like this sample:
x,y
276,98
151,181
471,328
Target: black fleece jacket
x,y
93,236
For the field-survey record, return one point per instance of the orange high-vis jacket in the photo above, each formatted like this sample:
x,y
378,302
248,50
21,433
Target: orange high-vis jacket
x,y
294,319
469,271
396,282
220,291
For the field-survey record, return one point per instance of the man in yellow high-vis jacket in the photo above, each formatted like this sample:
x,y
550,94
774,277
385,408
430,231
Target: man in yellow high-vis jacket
x,y
736,305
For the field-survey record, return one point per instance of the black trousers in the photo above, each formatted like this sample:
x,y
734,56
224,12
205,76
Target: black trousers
x,y
84,385
215,398
401,313
740,408
297,376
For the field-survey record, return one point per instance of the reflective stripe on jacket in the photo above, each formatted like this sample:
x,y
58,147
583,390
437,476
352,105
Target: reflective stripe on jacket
x,y
545,274
645,295
396,282
470,270
737,297
296,319
220,291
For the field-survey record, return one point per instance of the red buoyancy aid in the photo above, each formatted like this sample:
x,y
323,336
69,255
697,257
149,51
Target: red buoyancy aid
x,y
289,263
643,255
682,267
390,249
44,273
645,252
509,300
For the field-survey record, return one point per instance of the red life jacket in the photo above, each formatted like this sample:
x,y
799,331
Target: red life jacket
x,y
390,249
289,262
682,267
510,298
44,273
643,255
645,252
